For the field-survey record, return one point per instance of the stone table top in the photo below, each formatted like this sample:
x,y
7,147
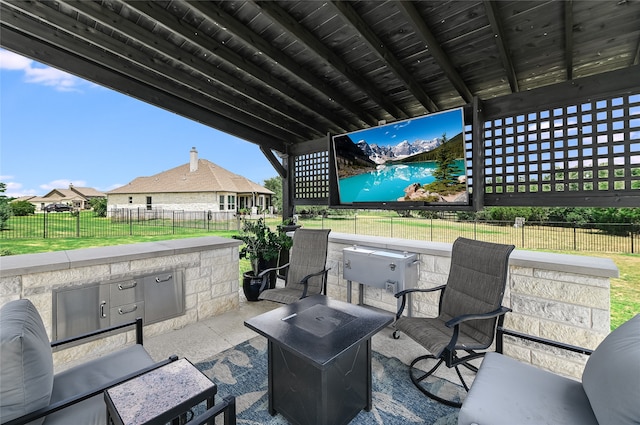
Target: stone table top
x,y
149,396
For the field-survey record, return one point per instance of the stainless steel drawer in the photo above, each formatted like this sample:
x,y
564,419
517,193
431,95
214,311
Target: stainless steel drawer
x,y
126,313
126,291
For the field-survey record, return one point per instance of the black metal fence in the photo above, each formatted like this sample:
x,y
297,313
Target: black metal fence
x,y
118,223
609,237
620,238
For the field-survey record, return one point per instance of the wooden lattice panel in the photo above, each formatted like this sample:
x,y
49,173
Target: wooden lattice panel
x,y
571,155
311,180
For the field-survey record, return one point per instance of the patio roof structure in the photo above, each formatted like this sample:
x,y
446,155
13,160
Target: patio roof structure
x,y
286,75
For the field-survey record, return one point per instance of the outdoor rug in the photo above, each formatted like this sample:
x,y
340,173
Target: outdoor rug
x,y
242,372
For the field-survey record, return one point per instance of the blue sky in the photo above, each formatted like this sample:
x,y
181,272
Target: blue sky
x,y
57,129
423,128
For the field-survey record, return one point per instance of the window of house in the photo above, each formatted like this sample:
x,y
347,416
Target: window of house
x,y
231,202
221,202
149,204
131,199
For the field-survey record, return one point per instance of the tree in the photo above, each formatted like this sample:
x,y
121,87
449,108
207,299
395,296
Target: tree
x,y
274,184
447,171
99,206
5,210
22,208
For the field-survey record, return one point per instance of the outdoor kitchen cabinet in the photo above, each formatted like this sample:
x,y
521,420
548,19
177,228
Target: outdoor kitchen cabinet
x,y
154,297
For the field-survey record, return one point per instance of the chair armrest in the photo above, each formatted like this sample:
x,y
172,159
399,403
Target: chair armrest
x,y
545,341
137,323
264,272
52,408
466,317
406,292
227,406
305,280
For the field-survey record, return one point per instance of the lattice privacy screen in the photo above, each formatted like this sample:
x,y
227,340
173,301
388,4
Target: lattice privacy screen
x,y
584,154
571,155
311,178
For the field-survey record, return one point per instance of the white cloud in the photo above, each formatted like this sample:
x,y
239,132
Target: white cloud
x,y
62,184
35,73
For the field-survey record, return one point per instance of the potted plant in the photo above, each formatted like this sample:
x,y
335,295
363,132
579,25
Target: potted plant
x,y
261,247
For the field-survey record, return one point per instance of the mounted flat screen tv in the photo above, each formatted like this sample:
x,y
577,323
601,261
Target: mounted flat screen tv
x,y
405,164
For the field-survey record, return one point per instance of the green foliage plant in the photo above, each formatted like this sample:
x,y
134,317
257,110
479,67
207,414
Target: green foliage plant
x,y
22,208
99,206
5,210
260,243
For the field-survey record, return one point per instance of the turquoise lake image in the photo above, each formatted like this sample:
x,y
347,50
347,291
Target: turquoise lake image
x,y
388,182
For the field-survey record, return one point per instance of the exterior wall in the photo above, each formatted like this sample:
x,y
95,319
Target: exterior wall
x,y
554,296
211,280
190,201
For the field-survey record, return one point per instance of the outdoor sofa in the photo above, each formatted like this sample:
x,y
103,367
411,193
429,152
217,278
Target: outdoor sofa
x,y
508,392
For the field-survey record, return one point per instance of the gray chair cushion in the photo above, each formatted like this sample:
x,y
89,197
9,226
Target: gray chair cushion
x,y
86,377
26,375
508,392
611,377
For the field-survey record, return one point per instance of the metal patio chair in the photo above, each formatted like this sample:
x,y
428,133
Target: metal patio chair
x,y
470,308
307,272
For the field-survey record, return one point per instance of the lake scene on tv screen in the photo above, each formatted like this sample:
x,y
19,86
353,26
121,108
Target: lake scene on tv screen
x,y
416,160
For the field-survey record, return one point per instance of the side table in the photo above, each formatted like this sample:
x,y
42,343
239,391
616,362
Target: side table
x,y
161,396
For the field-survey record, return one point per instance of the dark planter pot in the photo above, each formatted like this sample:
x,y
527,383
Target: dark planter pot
x,y
251,286
264,265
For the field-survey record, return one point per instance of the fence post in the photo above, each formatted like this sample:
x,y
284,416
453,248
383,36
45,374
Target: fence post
x,y
77,224
575,244
44,225
130,222
391,226
522,232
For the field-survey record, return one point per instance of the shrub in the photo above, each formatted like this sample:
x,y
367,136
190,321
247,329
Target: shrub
x,y
22,208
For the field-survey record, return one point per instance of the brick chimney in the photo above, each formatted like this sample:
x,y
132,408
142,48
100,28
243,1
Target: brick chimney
x,y
193,160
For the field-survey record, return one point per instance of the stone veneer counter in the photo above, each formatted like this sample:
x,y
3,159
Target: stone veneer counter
x,y
556,296
211,279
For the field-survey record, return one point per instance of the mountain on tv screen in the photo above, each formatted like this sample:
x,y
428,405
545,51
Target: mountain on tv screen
x,y
417,160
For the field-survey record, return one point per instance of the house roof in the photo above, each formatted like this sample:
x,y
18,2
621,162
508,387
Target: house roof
x,y
208,177
279,73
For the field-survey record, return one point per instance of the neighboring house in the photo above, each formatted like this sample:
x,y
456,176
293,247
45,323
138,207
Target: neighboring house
x,y
199,185
78,197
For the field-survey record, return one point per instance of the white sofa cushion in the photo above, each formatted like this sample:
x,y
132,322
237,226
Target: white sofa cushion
x,y
611,377
26,375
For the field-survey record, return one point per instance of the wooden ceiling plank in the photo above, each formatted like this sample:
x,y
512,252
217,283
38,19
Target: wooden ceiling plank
x,y
290,25
501,41
423,31
215,14
53,35
376,45
568,37
155,12
123,26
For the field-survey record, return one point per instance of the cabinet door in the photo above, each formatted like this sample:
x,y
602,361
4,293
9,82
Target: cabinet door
x,y
163,296
79,310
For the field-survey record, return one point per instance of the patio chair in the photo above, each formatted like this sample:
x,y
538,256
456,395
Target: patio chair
x,y
469,309
307,271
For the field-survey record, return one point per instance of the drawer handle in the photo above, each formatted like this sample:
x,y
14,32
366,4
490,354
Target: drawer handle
x,y
121,311
166,279
121,287
102,312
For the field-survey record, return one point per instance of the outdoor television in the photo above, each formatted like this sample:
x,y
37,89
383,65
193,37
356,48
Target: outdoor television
x,y
407,164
